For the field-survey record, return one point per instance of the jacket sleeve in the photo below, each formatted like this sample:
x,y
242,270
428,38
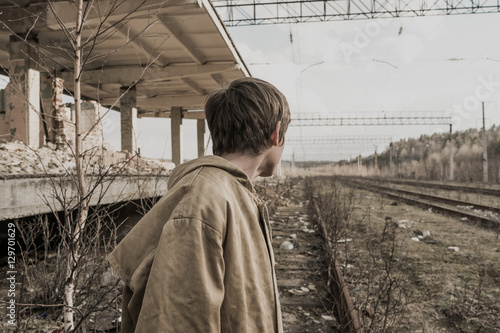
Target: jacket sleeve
x,y
185,289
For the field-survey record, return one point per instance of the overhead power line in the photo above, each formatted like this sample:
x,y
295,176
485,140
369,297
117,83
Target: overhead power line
x,y
338,140
369,118
255,12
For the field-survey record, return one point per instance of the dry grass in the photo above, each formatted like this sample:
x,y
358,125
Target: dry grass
x,y
419,286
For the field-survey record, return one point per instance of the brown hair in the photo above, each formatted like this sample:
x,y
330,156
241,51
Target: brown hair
x,y
242,116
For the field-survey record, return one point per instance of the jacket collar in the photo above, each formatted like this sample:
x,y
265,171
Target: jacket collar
x,y
210,161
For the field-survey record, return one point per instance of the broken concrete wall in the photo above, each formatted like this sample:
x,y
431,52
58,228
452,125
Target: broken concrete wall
x,y
51,93
21,120
90,126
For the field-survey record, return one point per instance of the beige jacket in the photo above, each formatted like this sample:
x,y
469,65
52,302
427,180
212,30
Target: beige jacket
x,y
201,260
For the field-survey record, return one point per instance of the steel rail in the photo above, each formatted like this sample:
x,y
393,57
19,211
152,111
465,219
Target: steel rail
x,y
425,201
448,187
346,311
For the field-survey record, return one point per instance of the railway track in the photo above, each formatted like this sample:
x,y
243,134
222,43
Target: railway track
x,y
485,214
313,294
427,184
301,271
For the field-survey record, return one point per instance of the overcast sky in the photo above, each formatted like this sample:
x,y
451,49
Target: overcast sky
x,y
439,63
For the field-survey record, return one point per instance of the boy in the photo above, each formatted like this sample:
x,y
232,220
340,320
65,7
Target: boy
x,y
201,260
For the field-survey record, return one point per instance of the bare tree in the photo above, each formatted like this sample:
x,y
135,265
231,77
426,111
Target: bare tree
x,y
80,231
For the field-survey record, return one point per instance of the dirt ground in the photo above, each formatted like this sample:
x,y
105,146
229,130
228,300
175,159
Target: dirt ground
x,y
412,270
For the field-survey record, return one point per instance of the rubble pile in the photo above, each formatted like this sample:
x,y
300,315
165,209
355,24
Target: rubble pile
x,y
16,158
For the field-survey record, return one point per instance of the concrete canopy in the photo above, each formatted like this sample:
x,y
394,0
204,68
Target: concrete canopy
x,y
174,51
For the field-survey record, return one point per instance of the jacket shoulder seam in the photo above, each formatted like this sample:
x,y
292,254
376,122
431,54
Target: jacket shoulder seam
x,y
189,189
205,224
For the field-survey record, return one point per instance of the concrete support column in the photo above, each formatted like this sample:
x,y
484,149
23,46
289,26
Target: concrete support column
x,y
176,131
201,136
128,111
21,120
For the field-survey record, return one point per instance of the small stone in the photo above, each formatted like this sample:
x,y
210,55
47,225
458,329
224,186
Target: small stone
x,y
298,292
405,223
453,248
311,287
415,239
426,233
286,245
293,236
304,289
289,318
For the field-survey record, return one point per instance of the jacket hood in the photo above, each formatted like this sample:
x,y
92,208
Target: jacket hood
x,y
210,161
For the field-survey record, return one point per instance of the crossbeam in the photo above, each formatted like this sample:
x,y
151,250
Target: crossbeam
x,y
256,12
369,118
355,149
338,140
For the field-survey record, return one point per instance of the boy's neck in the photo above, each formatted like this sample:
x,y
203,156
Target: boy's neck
x,y
248,163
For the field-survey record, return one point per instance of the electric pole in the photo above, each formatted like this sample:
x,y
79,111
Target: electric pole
x,y
451,153
485,150
391,166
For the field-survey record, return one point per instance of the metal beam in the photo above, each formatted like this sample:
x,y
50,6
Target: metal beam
x,y
371,118
344,140
129,75
255,12
309,148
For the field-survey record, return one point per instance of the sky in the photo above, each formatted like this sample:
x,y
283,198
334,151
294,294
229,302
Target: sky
x,y
438,63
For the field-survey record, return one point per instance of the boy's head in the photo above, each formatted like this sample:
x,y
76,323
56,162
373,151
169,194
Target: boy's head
x,y
242,117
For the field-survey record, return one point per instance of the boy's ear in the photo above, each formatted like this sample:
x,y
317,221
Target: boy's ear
x,y
275,135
